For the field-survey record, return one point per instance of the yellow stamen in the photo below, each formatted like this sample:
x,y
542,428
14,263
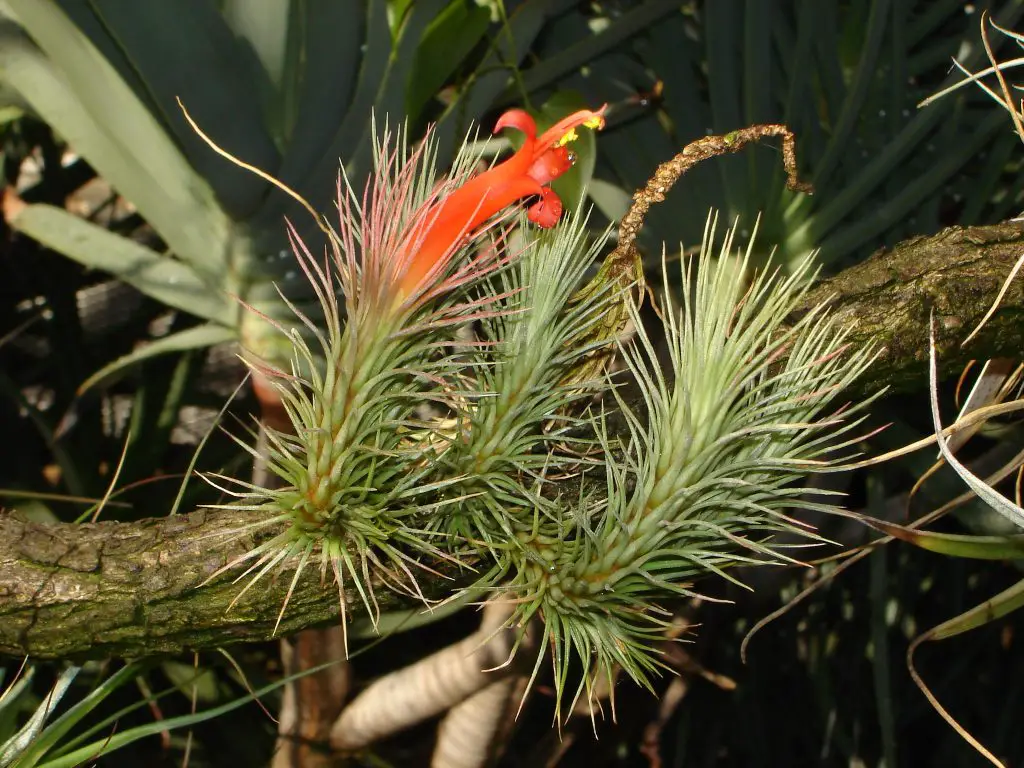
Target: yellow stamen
x,y
570,136
596,122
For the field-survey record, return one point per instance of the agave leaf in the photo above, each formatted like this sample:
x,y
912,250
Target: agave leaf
x,y
811,51
390,100
383,77
161,277
264,27
758,104
954,544
192,338
843,241
417,20
77,92
509,46
319,185
328,37
186,50
856,95
574,56
447,42
990,182
724,51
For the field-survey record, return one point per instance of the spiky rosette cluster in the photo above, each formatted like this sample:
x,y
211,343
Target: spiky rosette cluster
x,y
707,476
452,405
369,391
521,423
348,478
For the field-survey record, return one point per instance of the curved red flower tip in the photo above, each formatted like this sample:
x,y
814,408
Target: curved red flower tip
x,y
453,220
552,164
546,212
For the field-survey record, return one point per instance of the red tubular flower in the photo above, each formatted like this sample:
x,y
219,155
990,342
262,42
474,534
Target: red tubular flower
x,y
454,219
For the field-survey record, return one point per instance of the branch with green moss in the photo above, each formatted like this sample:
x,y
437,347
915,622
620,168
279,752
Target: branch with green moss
x,y
134,589
957,274
95,590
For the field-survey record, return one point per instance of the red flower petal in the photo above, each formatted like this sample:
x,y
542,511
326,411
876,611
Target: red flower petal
x,y
547,211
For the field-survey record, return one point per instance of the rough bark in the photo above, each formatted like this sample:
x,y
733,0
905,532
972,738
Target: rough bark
x,y
104,589
133,589
957,274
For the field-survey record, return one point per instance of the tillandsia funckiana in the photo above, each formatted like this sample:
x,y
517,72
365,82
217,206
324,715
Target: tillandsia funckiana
x,y
454,406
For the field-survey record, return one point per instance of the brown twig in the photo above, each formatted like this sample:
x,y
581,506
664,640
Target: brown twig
x,y
668,173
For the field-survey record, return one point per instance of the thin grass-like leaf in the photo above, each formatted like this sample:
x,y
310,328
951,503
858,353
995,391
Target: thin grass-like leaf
x,y
1012,512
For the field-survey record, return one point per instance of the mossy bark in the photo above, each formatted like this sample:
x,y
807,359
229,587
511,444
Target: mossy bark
x,y
136,589
133,589
957,274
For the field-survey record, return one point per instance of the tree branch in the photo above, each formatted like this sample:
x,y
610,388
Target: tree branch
x,y
957,274
133,589
96,590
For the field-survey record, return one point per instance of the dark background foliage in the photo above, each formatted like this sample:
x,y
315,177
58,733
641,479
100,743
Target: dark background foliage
x,y
826,684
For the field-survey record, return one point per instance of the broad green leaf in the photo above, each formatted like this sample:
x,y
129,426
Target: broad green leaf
x,y
585,50
394,622
328,39
572,185
611,200
955,544
447,42
160,277
77,91
186,50
192,338
509,46
188,680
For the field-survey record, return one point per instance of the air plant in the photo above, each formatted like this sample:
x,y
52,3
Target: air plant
x,y
450,410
